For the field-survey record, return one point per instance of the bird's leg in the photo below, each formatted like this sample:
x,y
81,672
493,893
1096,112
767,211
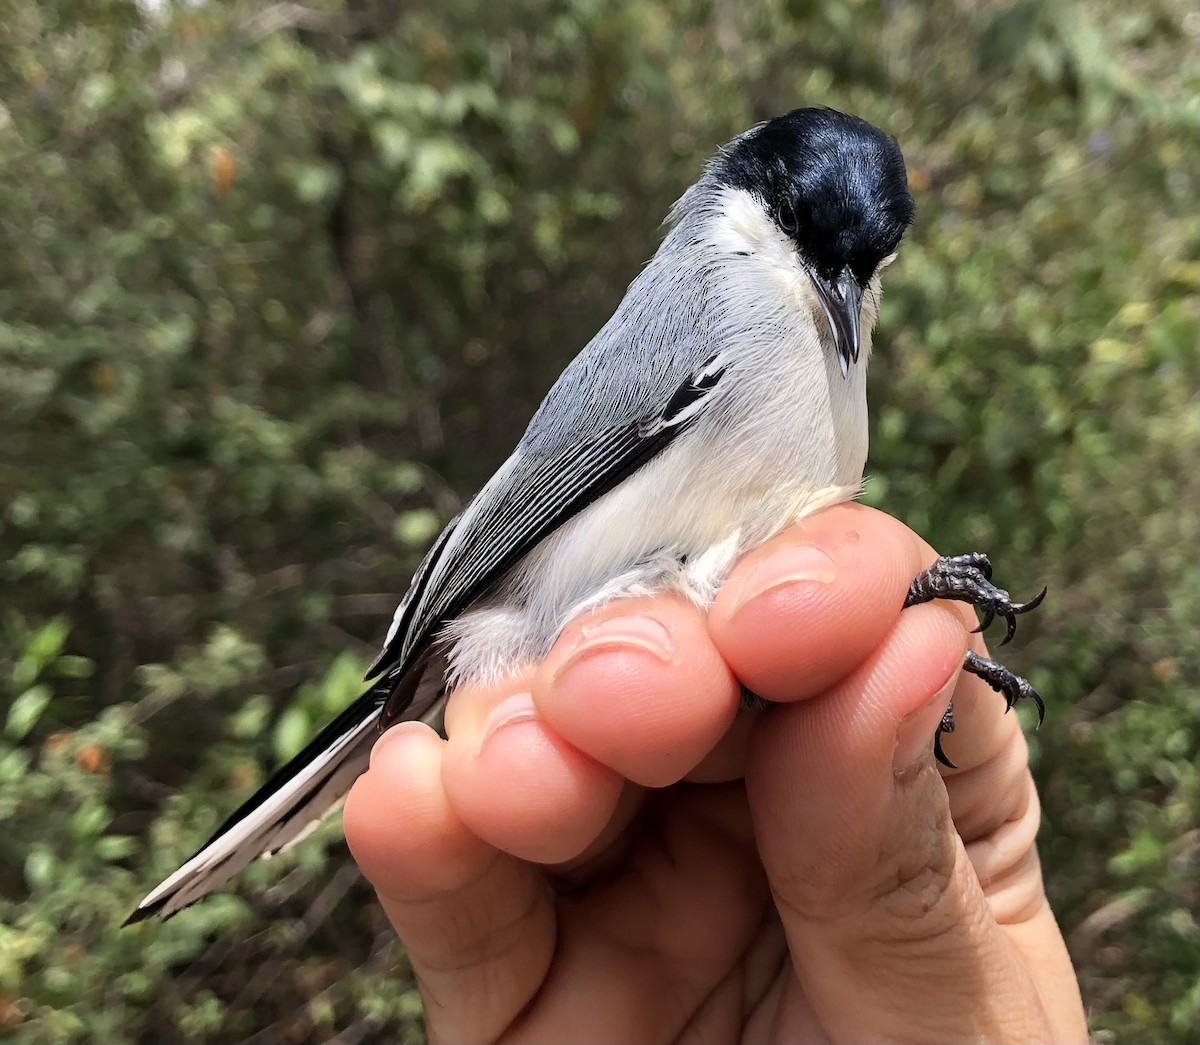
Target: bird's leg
x,y
968,578
945,726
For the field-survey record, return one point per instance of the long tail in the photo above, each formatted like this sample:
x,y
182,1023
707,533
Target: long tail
x,y
281,812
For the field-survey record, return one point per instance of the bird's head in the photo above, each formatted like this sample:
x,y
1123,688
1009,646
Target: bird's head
x,y
835,186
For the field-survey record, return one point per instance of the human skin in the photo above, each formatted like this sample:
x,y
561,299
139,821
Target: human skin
x,y
606,849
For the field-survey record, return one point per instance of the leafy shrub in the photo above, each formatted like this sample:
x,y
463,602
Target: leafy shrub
x,y
280,284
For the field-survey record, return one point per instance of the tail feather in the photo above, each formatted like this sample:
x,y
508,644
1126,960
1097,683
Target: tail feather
x,y
281,812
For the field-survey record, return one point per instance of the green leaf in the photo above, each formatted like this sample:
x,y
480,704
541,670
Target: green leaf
x,y
46,643
251,718
89,821
291,733
116,847
316,183
39,867
1009,33
26,710
74,667
342,683
417,528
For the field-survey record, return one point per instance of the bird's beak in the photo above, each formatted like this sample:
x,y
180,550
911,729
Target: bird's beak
x,y
841,298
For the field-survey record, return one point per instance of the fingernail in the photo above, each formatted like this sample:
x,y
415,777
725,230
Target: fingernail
x,y
511,710
914,735
616,634
795,565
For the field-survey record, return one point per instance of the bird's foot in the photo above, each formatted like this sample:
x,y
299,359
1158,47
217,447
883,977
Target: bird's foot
x,y
1011,686
968,578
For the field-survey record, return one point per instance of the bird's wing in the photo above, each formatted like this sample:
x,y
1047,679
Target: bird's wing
x,y
537,490
527,499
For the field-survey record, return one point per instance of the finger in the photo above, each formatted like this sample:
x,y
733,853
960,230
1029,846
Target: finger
x,y
516,783
996,812
639,687
887,923
801,611
640,951
727,760
475,922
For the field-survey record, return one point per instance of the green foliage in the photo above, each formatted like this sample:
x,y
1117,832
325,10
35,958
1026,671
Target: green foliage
x,y
279,284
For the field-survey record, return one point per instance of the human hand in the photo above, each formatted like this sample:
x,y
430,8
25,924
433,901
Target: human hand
x,y
606,849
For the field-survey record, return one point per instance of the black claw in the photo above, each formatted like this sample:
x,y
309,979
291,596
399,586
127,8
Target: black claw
x,y
939,754
989,615
1032,604
1010,629
1038,703
945,726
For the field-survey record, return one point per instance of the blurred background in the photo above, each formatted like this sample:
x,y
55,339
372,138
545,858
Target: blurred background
x,y
281,283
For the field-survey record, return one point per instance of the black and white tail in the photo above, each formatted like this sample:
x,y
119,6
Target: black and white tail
x,y
301,794
285,809
305,791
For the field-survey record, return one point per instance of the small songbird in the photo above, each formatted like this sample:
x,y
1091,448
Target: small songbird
x,y
724,400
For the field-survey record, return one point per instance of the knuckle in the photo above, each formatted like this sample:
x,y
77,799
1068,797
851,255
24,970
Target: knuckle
x,y
914,885
903,887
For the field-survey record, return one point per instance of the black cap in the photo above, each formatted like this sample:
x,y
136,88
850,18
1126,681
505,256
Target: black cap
x,y
833,183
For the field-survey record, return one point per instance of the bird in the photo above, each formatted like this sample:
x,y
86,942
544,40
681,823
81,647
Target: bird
x,y
724,400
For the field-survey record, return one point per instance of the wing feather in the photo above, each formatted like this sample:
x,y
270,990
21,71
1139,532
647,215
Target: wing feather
x,y
527,499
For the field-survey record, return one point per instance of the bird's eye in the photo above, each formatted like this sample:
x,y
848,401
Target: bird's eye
x,y
785,217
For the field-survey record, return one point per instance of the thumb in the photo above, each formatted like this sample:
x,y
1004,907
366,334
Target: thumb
x,y
889,930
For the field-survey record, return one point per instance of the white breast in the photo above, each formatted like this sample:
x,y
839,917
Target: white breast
x,y
787,435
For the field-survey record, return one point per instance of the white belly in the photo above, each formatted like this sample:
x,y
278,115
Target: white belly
x,y
792,443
